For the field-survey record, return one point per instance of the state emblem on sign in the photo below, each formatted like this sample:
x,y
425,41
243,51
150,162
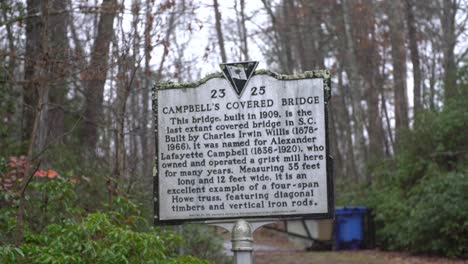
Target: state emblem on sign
x,y
238,74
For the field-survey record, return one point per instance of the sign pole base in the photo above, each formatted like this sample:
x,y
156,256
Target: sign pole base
x,y
242,242
241,237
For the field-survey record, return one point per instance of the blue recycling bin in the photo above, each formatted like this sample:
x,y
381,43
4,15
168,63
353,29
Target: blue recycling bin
x,y
349,233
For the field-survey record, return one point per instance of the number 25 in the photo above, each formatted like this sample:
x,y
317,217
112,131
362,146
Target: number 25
x,y
257,91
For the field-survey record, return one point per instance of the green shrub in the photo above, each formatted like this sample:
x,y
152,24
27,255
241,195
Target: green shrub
x,y
439,214
420,197
98,238
56,230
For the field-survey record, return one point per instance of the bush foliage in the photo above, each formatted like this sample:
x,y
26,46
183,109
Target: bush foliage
x,y
57,231
420,197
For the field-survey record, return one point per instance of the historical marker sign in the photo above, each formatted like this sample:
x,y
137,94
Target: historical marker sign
x,y
227,154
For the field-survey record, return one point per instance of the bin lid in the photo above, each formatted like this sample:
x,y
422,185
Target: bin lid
x,y
350,209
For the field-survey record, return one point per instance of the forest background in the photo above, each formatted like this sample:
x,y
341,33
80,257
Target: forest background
x,y
77,134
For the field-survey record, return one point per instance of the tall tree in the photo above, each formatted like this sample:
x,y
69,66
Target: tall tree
x,y
37,69
369,63
147,145
242,30
397,31
219,31
59,70
43,88
274,37
312,30
34,28
413,45
166,43
94,76
355,82
344,123
286,34
125,76
449,40
281,34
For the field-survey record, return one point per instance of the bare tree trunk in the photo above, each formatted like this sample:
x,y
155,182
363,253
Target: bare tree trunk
x,y
134,161
128,65
370,61
147,145
276,39
239,32
133,120
58,24
41,73
39,125
34,27
413,45
389,138
243,32
219,31
350,165
96,72
294,35
305,45
449,39
167,38
351,65
399,68
286,36
123,90
313,36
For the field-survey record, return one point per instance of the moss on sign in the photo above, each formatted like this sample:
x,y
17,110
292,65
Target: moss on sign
x,y
324,74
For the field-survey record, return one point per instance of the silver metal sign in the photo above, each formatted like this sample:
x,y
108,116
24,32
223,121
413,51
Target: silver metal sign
x,y
228,155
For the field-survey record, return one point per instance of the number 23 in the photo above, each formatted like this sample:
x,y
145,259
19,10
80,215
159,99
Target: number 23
x,y
218,93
